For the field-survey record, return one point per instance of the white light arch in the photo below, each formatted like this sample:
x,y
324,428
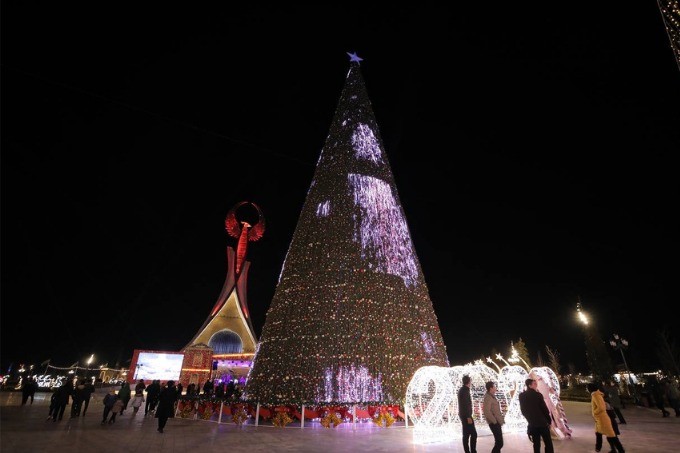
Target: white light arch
x,y
432,403
428,404
549,387
511,380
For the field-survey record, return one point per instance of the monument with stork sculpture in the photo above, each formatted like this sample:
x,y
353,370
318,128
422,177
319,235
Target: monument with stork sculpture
x,y
224,346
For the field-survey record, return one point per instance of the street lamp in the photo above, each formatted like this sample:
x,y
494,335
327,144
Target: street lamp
x,y
581,315
89,361
619,344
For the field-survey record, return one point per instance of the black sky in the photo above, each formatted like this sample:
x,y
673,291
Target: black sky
x,y
534,151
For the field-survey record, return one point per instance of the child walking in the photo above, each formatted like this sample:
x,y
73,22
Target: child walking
x,y
138,401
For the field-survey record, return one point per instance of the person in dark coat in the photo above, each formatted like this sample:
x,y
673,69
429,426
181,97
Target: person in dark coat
x,y
658,393
53,403
78,397
208,387
61,400
673,396
465,414
124,395
219,390
109,401
87,394
166,404
28,390
139,388
614,398
533,407
152,392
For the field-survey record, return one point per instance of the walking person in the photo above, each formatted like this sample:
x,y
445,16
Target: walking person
x,y
166,404
465,414
53,404
61,400
117,408
87,394
673,396
152,392
124,395
140,386
603,424
109,401
610,410
78,398
28,390
658,393
137,401
533,407
614,398
493,416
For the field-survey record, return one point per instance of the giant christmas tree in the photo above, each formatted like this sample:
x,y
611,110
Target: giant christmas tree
x,y
351,319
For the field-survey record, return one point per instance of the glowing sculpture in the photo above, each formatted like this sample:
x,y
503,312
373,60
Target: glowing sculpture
x,y
429,398
549,387
432,403
511,381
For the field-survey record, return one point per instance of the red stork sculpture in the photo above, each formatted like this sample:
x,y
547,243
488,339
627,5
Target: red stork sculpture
x,y
243,231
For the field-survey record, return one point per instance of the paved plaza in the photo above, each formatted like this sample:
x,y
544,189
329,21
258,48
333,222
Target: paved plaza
x,y
25,429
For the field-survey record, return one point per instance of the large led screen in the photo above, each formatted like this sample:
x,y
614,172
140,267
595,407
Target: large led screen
x,y
158,365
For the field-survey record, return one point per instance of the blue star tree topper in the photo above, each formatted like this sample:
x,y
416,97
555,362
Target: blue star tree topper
x,y
354,58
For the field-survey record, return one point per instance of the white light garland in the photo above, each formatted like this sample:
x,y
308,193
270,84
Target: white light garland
x,y
432,403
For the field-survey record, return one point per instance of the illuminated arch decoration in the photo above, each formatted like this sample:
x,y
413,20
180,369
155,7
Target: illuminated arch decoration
x,y
549,386
428,402
432,403
480,374
511,381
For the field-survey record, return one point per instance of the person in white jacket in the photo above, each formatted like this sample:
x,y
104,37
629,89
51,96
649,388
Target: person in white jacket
x,y
493,416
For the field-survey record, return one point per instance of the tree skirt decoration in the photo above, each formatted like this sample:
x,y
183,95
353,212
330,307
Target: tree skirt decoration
x,y
186,409
384,418
239,415
330,418
281,419
205,410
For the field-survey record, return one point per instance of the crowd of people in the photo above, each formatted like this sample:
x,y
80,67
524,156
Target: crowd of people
x,y
160,400
605,402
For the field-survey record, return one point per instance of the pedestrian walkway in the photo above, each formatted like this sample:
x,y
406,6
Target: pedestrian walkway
x,y
25,429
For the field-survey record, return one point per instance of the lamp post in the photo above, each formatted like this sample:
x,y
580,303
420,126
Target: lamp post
x,y
581,314
89,361
597,356
619,344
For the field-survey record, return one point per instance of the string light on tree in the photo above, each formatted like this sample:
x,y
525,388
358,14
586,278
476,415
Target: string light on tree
x,y
351,319
670,12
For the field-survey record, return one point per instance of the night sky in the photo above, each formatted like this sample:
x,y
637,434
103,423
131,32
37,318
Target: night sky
x,y
534,152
